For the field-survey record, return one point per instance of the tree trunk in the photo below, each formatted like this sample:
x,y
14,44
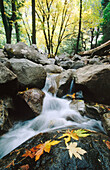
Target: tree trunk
x,y
14,18
33,23
80,18
97,35
92,37
6,23
101,50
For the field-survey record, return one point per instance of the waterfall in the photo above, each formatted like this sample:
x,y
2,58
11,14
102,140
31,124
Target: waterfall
x,y
71,87
56,114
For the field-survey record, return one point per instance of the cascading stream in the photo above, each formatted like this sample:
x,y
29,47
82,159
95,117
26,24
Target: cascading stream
x,y
56,114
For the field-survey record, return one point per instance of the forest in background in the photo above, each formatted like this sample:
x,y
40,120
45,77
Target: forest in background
x,y
55,26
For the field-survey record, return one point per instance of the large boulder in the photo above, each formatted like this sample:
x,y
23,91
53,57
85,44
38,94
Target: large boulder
x,y
37,56
8,81
94,81
28,104
16,50
90,152
29,73
21,50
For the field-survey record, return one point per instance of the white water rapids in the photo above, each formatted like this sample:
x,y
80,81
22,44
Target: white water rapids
x,y
56,114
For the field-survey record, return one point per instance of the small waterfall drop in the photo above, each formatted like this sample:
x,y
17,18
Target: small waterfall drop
x,y
71,86
56,114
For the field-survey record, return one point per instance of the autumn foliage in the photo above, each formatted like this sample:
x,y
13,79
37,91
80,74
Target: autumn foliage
x,y
38,150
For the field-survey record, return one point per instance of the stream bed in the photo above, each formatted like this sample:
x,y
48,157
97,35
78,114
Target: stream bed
x,y
56,114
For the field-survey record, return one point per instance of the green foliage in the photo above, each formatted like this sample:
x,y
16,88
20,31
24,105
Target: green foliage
x,y
106,24
69,46
104,3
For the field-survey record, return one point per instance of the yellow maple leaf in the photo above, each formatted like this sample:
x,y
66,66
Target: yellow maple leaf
x,y
71,96
74,150
69,135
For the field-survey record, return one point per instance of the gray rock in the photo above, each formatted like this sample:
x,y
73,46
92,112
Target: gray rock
x,y
78,105
94,81
63,81
94,61
34,98
2,55
34,46
78,64
8,81
29,73
28,104
63,57
5,62
37,56
51,60
21,50
76,57
16,50
53,68
69,64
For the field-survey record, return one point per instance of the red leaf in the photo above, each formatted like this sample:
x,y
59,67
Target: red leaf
x,y
24,167
108,144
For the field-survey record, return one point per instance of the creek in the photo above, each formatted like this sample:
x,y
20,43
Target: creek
x,y
56,114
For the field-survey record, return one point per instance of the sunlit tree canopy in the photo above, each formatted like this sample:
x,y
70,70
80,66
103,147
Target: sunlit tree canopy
x,y
55,24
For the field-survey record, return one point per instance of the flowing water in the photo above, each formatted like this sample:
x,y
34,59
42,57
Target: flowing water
x,y
56,114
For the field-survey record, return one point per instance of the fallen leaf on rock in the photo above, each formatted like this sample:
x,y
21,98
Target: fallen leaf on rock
x,y
71,96
69,135
24,167
74,150
28,153
107,143
81,133
12,163
38,150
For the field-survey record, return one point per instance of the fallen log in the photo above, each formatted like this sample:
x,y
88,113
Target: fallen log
x,y
100,50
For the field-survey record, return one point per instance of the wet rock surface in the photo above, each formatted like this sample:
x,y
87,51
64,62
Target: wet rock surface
x,y
78,105
34,100
97,156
